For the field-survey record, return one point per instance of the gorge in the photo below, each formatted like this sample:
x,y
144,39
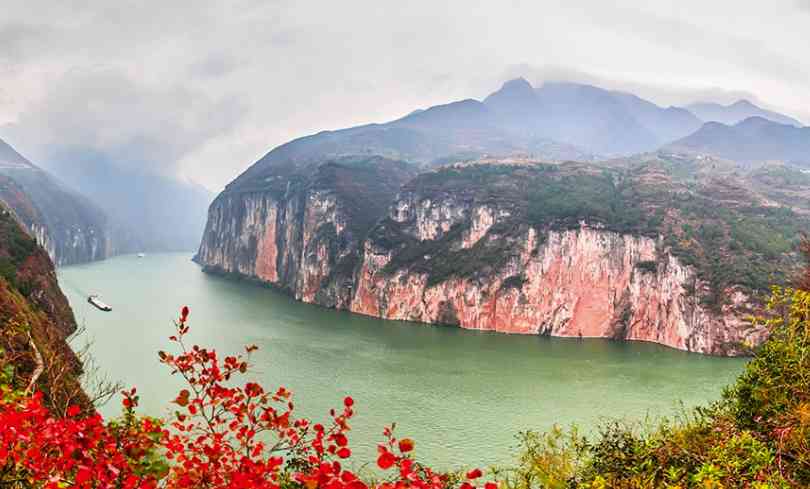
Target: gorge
x,y
472,214
635,252
461,394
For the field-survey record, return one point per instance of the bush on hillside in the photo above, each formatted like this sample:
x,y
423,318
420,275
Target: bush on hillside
x,y
756,436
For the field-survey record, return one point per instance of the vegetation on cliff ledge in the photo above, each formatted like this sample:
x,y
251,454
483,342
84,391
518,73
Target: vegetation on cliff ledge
x,y
728,234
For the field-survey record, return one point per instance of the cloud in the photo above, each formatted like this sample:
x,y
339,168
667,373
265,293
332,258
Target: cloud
x,y
17,40
132,124
203,88
214,65
752,53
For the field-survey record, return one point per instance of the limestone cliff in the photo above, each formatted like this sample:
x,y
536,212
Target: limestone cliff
x,y
564,250
67,225
577,283
306,238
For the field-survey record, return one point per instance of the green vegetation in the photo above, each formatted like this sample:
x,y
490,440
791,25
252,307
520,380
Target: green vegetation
x,y
757,436
439,258
17,246
711,223
649,266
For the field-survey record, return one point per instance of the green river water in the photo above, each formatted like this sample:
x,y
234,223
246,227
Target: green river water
x,y
462,395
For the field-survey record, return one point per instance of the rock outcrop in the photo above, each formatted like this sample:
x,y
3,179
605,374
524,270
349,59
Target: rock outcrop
x,y
307,238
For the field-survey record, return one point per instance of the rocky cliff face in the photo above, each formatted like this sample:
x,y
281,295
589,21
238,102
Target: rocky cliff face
x,y
68,226
568,250
577,283
307,238
35,321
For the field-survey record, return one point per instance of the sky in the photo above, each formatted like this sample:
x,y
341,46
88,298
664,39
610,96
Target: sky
x,y
201,89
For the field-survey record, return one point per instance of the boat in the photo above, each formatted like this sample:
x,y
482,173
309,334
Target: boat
x,y
141,255
94,300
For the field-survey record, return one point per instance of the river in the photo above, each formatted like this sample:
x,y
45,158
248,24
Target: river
x,y
462,395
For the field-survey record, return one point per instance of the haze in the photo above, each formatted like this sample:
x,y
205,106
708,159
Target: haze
x,y
200,90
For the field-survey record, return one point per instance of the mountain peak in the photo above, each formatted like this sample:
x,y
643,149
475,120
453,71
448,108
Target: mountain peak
x,y
744,103
738,112
517,84
516,89
756,122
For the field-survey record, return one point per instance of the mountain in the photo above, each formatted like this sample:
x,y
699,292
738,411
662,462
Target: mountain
x,y
447,216
737,112
557,122
35,320
753,140
150,212
606,122
676,251
68,225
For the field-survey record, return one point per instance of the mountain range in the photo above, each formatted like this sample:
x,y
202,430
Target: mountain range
x,y
150,212
102,208
70,227
753,140
468,214
556,122
737,112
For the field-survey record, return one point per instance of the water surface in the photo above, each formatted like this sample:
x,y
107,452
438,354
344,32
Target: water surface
x,y
462,395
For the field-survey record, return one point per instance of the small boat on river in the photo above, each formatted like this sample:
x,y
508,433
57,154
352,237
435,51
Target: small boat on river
x,y
94,300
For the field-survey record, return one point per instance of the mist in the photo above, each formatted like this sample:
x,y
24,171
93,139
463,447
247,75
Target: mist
x,y
199,90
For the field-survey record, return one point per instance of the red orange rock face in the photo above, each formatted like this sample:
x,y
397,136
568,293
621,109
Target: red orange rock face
x,y
580,283
267,253
583,283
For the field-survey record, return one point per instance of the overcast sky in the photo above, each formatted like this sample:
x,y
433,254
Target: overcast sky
x,y
202,89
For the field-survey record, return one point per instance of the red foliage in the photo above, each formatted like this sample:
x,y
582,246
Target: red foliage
x,y
222,436
84,452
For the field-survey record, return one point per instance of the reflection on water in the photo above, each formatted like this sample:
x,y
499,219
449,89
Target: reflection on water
x,y
462,395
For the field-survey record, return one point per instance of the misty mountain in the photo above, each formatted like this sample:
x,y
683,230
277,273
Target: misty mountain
x,y
753,140
602,121
558,121
150,212
738,112
70,227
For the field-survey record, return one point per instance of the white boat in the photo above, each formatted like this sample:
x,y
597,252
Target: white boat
x,y
141,255
93,299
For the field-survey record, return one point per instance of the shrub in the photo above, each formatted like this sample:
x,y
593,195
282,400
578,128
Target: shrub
x,y
757,436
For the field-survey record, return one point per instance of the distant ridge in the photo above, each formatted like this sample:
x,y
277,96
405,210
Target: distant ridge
x,y
558,121
754,139
738,112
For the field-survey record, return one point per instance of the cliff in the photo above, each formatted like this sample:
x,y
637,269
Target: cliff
x,y
302,233
635,253
70,227
35,322
563,250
